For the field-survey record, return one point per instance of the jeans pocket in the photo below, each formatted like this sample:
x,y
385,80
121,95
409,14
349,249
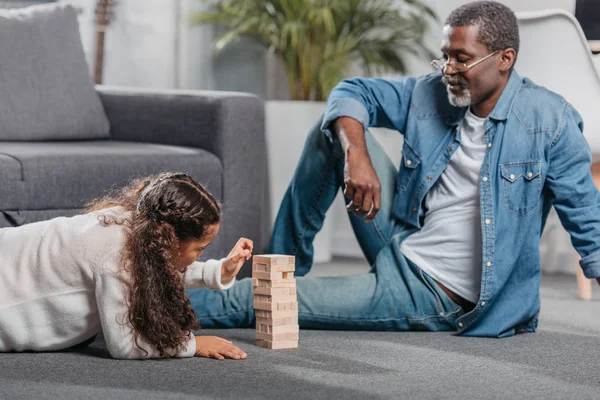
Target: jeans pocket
x,y
430,282
522,185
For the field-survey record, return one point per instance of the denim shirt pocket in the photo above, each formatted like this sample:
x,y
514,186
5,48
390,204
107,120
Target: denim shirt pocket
x,y
408,165
522,184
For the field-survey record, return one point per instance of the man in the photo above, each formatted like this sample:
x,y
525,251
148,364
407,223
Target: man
x,y
453,236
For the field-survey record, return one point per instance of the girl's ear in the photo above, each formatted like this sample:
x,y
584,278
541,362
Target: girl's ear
x,y
177,247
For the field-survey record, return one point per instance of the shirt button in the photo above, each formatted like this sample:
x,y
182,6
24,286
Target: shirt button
x,y
408,162
487,222
529,175
415,209
512,177
489,145
488,264
450,149
429,178
483,304
460,324
485,178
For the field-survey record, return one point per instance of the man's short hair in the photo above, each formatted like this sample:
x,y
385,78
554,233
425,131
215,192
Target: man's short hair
x,y
498,27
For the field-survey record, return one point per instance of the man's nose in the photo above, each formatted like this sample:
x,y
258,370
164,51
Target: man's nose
x,y
447,68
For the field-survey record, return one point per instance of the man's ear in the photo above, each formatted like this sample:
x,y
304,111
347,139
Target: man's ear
x,y
508,59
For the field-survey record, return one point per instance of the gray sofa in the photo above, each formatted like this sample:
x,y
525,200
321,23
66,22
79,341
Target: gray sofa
x,y
217,137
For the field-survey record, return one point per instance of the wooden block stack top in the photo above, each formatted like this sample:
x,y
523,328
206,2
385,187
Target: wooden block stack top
x,y
275,301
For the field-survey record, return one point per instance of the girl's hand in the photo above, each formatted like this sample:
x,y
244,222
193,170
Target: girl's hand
x,y
236,258
216,347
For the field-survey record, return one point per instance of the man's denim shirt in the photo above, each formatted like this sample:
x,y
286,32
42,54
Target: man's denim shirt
x,y
536,158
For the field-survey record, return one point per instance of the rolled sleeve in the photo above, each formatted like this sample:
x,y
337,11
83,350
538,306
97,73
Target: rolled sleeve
x,y
346,107
374,102
206,274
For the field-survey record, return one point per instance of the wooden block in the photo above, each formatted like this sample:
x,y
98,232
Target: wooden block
x,y
263,305
277,337
258,305
270,291
287,306
275,329
261,298
274,276
287,275
269,275
262,283
273,259
290,298
293,344
277,321
276,314
260,267
263,327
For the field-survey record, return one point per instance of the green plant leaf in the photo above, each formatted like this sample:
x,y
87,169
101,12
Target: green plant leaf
x,y
321,41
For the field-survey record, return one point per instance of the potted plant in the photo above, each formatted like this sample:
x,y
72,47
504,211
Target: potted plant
x,y
318,43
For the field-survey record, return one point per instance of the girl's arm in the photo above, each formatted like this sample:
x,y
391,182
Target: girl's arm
x,y
219,274
205,274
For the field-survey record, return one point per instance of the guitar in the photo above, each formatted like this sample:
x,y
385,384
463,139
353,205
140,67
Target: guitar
x,y
104,16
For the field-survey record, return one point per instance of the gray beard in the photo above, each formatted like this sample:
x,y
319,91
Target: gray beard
x,y
462,100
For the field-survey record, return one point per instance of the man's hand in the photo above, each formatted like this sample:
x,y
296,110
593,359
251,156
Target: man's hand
x,y
236,258
361,183
219,348
362,186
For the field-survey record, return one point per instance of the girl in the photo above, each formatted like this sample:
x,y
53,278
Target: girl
x,y
120,268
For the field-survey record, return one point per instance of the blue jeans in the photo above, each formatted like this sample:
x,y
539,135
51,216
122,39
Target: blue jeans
x,y
394,295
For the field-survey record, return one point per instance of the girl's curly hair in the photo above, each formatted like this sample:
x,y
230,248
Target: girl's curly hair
x,y
167,209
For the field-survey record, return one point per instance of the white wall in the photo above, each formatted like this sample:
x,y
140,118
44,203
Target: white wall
x,y
150,43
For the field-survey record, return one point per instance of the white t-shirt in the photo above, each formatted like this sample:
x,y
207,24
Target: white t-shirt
x,y
61,284
448,246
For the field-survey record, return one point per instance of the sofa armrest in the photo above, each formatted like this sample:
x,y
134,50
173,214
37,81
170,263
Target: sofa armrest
x,y
230,125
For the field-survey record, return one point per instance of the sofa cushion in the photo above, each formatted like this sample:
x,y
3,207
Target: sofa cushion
x,y
65,175
46,92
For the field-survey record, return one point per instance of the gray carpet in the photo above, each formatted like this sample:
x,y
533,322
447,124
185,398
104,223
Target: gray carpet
x,y
560,361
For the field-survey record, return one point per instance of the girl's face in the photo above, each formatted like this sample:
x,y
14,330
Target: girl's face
x,y
190,250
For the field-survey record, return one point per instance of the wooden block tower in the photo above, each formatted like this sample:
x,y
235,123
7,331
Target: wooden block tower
x,y
275,301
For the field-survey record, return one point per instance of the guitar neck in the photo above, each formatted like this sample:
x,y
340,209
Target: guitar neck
x,y
99,58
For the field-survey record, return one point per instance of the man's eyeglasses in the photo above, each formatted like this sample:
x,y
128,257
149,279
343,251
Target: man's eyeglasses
x,y
459,67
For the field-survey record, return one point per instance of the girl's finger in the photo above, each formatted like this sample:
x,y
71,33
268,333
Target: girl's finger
x,y
231,354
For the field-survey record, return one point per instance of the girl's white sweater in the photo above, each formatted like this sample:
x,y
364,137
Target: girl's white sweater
x,y
61,283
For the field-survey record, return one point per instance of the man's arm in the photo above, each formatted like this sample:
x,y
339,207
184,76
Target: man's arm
x,y
576,198
374,102
353,106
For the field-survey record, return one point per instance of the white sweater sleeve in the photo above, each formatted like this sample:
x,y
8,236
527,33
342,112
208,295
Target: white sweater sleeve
x,y
205,274
111,296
